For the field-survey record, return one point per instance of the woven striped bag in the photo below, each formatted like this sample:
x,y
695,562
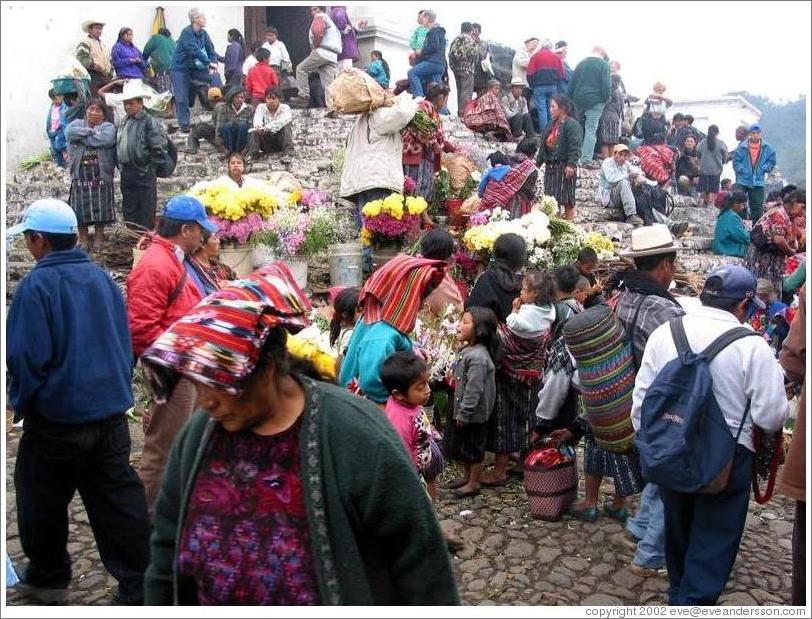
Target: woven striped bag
x,y
606,371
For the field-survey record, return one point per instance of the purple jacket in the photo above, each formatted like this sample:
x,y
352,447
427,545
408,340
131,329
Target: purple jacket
x,y
349,42
122,55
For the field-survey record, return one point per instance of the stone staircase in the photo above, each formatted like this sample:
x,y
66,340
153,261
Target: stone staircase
x,y
319,140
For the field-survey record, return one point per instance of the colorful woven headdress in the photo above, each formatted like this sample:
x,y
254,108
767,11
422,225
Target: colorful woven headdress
x,y
218,342
394,292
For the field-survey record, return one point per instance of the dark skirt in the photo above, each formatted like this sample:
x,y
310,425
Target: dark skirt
x,y
91,195
465,444
423,176
514,415
767,265
609,128
556,183
623,468
161,82
709,183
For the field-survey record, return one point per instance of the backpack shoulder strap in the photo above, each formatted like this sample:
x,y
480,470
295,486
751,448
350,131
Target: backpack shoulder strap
x,y
725,340
678,333
179,287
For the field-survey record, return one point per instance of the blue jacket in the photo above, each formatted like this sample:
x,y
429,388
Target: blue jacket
x,y
434,47
376,70
194,52
749,175
730,238
122,56
68,350
496,173
57,138
370,345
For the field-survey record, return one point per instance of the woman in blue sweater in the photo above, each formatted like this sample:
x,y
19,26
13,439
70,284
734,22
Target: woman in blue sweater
x,y
391,299
731,238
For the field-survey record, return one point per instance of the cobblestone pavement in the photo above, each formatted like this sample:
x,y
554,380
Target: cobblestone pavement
x,y
508,558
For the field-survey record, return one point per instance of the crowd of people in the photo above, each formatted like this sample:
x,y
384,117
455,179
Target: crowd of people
x,y
260,484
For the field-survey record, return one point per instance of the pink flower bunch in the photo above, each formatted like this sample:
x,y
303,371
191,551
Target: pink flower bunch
x,y
314,197
238,231
388,226
409,186
480,218
289,232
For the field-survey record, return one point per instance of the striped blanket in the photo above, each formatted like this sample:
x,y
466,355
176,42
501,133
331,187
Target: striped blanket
x,y
523,358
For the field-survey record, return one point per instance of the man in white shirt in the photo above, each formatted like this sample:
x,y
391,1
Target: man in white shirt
x,y
272,131
615,185
703,531
514,105
280,59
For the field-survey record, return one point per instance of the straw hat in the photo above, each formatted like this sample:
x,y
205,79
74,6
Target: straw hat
x,y
651,241
89,22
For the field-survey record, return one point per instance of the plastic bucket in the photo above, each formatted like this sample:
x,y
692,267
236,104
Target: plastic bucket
x,y
298,268
238,258
262,255
346,265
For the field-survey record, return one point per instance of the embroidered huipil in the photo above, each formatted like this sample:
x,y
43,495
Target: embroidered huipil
x,y
245,538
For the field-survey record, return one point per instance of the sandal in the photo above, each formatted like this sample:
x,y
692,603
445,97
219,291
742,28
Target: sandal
x,y
587,514
464,495
618,514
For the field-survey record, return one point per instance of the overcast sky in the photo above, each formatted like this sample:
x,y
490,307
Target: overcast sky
x,y
698,49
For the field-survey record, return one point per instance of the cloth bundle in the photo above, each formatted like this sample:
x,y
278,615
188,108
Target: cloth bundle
x,y
355,92
606,371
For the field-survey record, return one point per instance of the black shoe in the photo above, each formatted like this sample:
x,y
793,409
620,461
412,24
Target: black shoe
x,y
679,229
47,593
184,129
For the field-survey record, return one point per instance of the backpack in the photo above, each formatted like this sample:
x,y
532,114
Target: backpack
x,y
166,168
684,442
648,198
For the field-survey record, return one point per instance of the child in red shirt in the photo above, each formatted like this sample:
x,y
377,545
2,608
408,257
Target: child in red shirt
x,y
260,77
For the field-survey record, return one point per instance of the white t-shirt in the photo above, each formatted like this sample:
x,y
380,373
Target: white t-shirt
x,y
279,53
249,64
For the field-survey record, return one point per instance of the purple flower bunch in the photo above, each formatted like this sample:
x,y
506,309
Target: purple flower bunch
x,y
238,231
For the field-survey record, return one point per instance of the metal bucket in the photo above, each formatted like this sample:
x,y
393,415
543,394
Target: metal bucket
x,y
346,265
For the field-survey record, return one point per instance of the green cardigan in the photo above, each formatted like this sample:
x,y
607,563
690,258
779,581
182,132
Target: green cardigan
x,y
373,530
568,147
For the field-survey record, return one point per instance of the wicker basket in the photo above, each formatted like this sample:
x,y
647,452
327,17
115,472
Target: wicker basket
x,y
550,491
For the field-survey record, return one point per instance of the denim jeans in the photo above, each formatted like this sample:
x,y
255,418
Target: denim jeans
x,y
648,525
54,460
703,533
421,70
181,82
542,96
235,135
592,117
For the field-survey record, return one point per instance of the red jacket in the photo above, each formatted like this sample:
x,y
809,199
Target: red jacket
x,y
545,68
259,78
149,286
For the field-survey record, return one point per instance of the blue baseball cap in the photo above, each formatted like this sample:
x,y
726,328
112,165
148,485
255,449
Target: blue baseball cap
x,y
755,127
47,215
187,208
738,284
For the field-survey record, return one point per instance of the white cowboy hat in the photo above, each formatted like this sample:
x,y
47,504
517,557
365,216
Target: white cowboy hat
x,y
650,241
517,82
134,89
89,22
